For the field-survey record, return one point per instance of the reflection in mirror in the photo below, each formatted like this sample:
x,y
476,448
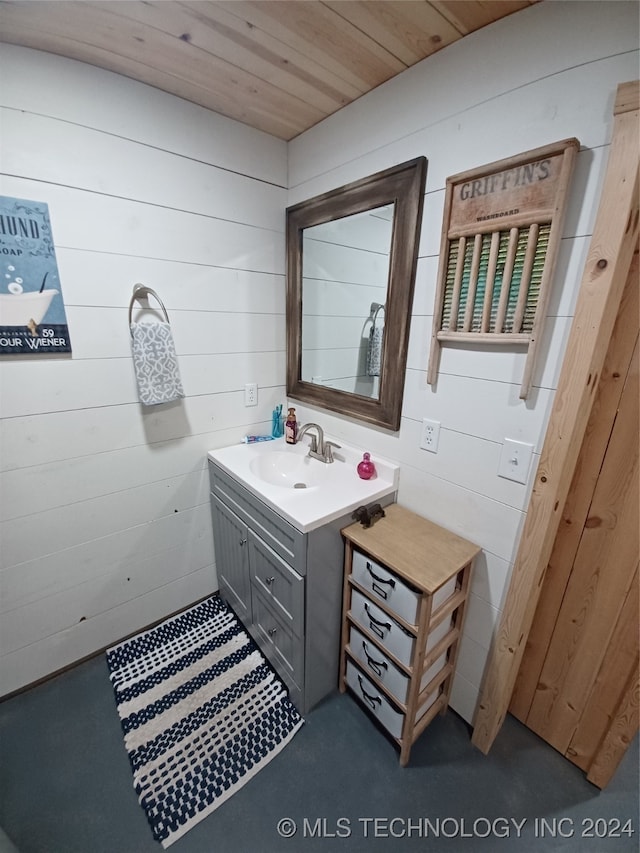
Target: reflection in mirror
x,y
345,272
351,262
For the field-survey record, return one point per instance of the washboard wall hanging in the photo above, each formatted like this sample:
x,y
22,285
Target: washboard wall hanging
x,y
501,231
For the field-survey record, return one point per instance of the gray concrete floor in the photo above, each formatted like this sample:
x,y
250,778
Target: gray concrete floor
x,y
65,787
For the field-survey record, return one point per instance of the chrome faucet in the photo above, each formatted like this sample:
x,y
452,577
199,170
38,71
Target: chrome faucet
x,y
318,448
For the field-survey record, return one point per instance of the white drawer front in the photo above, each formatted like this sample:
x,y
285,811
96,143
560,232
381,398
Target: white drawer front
x,y
377,663
393,636
374,661
374,700
386,586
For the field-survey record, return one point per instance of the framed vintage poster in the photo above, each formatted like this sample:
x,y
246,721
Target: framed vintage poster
x,y
32,315
501,231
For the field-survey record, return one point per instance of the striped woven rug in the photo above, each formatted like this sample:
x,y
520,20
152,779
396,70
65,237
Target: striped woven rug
x,y
202,712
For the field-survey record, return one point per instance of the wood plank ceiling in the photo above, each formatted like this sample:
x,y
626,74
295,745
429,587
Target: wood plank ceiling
x,y
279,66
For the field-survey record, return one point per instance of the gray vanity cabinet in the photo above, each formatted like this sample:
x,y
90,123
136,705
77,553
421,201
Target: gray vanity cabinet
x,y
284,585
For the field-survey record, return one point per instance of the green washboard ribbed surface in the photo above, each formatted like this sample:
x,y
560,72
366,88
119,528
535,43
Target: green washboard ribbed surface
x,y
513,285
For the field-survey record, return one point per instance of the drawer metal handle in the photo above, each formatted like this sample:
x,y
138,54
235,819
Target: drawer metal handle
x,y
269,581
271,632
375,625
376,665
243,542
371,700
378,580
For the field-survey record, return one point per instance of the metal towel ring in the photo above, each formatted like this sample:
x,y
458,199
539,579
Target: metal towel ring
x,y
376,312
139,292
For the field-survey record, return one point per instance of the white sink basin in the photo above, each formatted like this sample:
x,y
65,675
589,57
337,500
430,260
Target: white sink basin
x,y
289,470
306,492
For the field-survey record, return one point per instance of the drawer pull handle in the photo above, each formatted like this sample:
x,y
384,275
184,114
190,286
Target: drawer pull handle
x,y
269,581
272,632
375,625
376,665
243,542
378,580
371,700
376,577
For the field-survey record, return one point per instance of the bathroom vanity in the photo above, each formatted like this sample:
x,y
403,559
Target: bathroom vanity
x,y
277,517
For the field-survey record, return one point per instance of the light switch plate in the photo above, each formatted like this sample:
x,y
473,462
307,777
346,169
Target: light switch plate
x,y
515,460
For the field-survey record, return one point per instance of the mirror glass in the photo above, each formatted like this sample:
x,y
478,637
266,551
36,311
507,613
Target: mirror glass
x,y
345,272
351,260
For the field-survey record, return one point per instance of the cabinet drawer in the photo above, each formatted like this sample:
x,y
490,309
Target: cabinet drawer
x,y
277,582
278,642
386,586
374,700
391,634
376,662
377,702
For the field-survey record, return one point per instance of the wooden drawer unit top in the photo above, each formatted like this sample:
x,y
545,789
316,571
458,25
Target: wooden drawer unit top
x,y
423,553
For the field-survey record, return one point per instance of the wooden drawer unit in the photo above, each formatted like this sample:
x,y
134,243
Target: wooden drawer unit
x,y
406,581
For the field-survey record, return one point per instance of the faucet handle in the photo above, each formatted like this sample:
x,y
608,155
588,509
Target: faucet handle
x,y
328,450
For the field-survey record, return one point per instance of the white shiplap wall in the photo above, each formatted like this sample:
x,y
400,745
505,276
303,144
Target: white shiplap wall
x,y
548,73
104,507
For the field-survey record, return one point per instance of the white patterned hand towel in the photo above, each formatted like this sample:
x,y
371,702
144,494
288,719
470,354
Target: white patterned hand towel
x,y
374,351
155,363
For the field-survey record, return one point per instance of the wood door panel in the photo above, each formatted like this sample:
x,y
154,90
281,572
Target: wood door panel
x,y
601,576
574,516
578,684
619,664
621,731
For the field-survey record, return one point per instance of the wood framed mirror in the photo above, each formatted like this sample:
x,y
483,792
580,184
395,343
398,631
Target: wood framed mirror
x,y
351,265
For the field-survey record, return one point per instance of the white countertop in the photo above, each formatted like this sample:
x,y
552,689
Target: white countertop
x,y
330,490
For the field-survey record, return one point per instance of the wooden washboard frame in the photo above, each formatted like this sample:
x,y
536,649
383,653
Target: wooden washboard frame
x,y
501,231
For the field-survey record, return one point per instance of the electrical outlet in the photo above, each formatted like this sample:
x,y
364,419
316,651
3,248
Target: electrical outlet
x,y
515,460
430,435
251,394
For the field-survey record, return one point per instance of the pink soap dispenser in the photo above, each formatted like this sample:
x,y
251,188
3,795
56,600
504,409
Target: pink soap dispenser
x,y
366,468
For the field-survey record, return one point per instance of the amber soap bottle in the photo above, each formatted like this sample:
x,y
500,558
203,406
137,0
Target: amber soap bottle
x,y
291,427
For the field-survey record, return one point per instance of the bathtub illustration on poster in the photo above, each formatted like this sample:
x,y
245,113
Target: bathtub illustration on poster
x,y
32,313
18,308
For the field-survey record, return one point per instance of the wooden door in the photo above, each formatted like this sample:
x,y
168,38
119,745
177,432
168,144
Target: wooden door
x,y
577,684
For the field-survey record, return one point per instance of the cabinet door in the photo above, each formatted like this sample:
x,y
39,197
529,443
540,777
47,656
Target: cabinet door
x,y
232,560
